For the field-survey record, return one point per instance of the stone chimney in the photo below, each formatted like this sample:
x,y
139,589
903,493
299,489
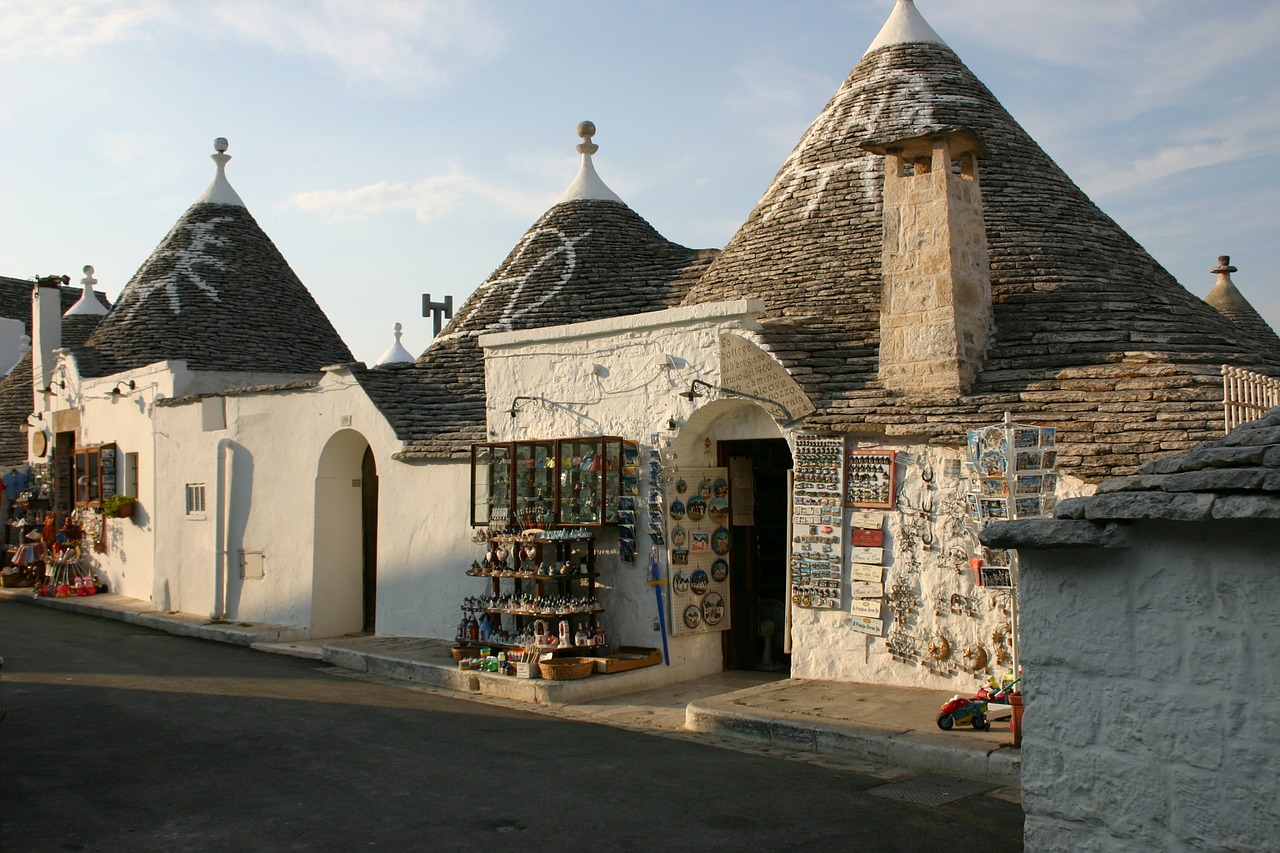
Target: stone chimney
x,y
46,332
935,308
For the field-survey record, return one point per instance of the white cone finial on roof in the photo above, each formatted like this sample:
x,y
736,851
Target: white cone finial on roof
x,y
89,302
397,354
905,26
587,185
220,191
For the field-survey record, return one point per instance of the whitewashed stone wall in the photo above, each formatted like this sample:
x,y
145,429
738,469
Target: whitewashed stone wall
x,y
622,377
953,633
271,479
1153,691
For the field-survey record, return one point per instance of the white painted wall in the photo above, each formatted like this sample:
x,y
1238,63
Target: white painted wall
x,y
1152,691
288,460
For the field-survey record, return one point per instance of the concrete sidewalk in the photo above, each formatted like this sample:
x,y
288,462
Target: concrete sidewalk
x,y
885,730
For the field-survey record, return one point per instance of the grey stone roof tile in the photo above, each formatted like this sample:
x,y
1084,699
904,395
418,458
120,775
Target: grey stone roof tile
x,y
217,293
1236,477
582,260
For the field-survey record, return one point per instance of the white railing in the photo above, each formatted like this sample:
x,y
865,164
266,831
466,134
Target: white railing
x,y
1246,395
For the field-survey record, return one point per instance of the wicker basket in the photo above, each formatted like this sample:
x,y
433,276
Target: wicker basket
x,y
566,669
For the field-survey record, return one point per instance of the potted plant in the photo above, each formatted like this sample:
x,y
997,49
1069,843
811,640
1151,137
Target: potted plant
x,y
118,506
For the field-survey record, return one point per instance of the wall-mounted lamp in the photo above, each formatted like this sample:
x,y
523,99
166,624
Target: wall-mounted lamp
x,y
39,416
693,393
122,388
48,389
515,404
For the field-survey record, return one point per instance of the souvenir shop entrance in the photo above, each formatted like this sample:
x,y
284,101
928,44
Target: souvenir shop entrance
x,y
758,505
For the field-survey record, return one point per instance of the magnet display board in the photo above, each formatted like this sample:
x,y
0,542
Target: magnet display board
x,y
817,520
698,545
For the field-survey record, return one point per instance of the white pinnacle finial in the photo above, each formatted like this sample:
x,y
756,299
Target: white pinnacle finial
x,y
905,26
587,130
220,190
587,185
397,354
88,302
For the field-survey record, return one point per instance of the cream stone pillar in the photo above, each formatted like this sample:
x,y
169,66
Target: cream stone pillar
x,y
935,310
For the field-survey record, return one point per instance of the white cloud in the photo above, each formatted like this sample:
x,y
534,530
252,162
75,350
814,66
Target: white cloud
x,y
59,29
427,200
398,44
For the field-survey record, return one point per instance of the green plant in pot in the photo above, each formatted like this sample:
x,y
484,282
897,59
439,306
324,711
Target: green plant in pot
x,y
118,506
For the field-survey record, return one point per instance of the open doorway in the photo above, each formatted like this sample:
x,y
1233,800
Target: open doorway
x,y
759,504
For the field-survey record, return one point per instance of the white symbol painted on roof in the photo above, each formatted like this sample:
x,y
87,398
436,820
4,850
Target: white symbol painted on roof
x,y
186,263
520,302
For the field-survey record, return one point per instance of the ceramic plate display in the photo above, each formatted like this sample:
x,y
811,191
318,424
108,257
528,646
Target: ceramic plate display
x,y
720,487
704,488
677,510
718,510
720,541
693,616
719,570
697,508
699,582
713,608
679,538
681,486
680,583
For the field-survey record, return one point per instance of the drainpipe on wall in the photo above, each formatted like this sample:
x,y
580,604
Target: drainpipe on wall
x,y
221,491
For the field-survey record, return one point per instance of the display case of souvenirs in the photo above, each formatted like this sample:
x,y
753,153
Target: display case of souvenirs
x,y
590,480
534,483
491,478
554,482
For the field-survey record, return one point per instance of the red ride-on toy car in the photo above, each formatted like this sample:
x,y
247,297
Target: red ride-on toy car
x,y
972,710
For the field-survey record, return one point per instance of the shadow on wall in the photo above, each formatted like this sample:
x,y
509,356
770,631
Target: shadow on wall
x,y
233,504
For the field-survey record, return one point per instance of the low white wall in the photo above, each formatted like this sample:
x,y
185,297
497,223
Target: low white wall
x,y
1152,691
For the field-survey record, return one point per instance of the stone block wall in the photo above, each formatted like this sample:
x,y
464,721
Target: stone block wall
x,y
1153,691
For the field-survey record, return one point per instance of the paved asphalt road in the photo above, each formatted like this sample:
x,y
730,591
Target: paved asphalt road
x,y
122,739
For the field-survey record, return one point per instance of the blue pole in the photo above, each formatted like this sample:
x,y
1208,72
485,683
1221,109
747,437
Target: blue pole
x,y
656,581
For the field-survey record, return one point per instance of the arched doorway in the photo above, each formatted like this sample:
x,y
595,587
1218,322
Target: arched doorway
x,y
742,437
345,522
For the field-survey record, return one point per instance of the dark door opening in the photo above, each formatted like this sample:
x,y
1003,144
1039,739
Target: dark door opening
x,y
369,536
758,568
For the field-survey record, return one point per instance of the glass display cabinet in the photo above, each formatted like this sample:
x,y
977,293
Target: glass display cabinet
x,y
491,478
590,480
535,485
541,484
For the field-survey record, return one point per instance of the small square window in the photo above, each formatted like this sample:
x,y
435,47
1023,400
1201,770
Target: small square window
x,y
195,498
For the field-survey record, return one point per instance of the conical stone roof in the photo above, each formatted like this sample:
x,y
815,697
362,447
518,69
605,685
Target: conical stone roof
x,y
584,259
217,293
1091,334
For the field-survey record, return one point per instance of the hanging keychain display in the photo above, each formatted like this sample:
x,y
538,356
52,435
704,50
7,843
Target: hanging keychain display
x,y
817,519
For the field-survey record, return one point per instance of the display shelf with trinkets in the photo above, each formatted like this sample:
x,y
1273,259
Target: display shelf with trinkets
x,y
551,602
869,478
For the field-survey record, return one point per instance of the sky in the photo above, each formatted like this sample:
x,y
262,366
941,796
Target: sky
x,y
392,148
